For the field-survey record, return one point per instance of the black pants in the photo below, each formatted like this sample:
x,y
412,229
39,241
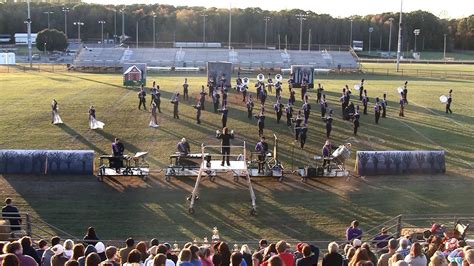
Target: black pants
x,y
302,141
142,102
224,121
198,118
202,105
158,103
185,95
356,127
225,155
261,162
278,117
288,120
318,97
244,96
384,111
365,108
249,113
175,112
216,106
323,112
260,129
377,117
328,131
448,108
306,116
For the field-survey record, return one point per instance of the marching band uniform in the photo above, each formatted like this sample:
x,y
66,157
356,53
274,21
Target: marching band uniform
x,y
244,92
224,112
183,147
278,106
259,85
326,153
223,82
306,109
93,123
343,100
304,88
377,108
154,119
249,106
157,98
328,121
270,83
198,112
210,85
324,105
225,138
54,110
289,114
202,97
278,89
238,81
141,98
356,120
361,89
348,112
319,92
303,134
292,98
384,105
92,112
290,83
117,151
262,149
185,90
402,105
261,121
365,101
215,100
175,102
405,92
224,98
263,96
448,103
298,120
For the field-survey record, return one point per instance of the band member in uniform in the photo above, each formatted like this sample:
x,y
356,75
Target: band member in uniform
x,y
319,92
93,123
263,96
290,82
278,88
249,106
202,97
278,106
365,101
259,85
175,102
377,108
238,82
304,88
289,115
225,138
183,150
306,109
224,112
154,119
261,121
448,103
55,118
326,152
117,151
224,98
324,105
243,89
356,120
262,149
223,81
383,104
185,90
303,134
215,100
292,98
402,105
405,92
156,97
343,99
141,98
270,83
361,89
348,112
297,121
211,84
328,121
198,112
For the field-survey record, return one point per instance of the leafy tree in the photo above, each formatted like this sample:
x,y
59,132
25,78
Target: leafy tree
x,y
55,40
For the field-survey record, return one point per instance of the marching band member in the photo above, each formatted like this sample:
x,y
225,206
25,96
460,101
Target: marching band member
x,y
215,100
402,105
224,112
156,97
210,84
377,108
326,152
343,99
224,98
278,88
263,96
298,120
183,147
278,106
448,103
249,106
324,105
259,85
405,92
202,97
348,112
306,109
154,119
225,138
117,151
141,98
243,89
292,98
93,123
303,134
261,121
304,89
289,114
223,81
55,118
198,112
238,82
270,83
384,105
185,90
355,122
175,102
290,82
262,149
361,89
319,92
365,101
328,121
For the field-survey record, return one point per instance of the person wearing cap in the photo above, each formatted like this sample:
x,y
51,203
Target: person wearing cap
x,y
261,149
130,244
326,152
286,257
299,251
111,255
100,248
357,243
46,259
310,256
58,259
332,258
11,213
392,248
353,231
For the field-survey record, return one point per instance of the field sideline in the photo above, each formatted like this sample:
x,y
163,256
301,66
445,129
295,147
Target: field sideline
x,y
291,210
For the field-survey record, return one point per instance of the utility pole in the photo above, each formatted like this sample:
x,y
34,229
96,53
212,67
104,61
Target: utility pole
x,y
286,42
350,41
28,26
309,40
48,13
416,32
399,46
301,18
371,29
123,24
154,30
65,10
101,22
115,25
230,24
279,44
390,38
79,24
204,29
266,24
444,50
137,34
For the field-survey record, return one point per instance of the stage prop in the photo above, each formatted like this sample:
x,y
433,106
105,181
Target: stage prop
x,y
134,74
215,71
48,162
127,165
399,162
334,167
299,72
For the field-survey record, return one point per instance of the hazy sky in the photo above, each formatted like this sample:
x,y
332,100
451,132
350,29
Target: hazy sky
x,y
343,8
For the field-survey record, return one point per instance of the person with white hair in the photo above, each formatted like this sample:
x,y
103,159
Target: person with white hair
x,y
183,147
332,258
403,248
58,259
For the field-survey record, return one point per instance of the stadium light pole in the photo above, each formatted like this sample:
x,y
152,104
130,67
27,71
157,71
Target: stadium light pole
x,y
399,45
48,13
28,30
115,25
301,18
101,22
123,24
266,24
350,41
79,24
416,32
137,34
309,40
390,37
444,50
230,24
371,29
154,30
204,29
65,10
279,43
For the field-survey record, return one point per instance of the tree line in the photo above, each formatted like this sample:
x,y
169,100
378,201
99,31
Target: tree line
x,y
185,24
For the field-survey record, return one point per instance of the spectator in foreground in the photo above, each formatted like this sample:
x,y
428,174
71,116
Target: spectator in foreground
x,y
246,253
72,263
403,249
16,249
350,252
469,257
309,257
77,251
287,258
257,258
48,254
42,246
332,258
111,254
372,256
93,259
224,253
28,249
185,257
91,237
141,246
11,213
163,249
130,244
353,231
89,249
416,256
205,256
236,259
134,258
58,259
392,248
100,249
262,244
438,260
10,260
159,260
360,255
194,256
68,248
397,257
276,261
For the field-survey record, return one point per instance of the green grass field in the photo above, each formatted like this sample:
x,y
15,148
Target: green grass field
x,y
319,209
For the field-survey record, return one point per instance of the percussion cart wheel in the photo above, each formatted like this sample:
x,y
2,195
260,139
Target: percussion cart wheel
x,y
253,211
236,179
212,178
167,178
191,210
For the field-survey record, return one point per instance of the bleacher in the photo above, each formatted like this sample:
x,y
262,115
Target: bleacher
x,y
243,58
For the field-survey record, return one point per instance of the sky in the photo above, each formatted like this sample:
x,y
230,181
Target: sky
x,y
336,8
